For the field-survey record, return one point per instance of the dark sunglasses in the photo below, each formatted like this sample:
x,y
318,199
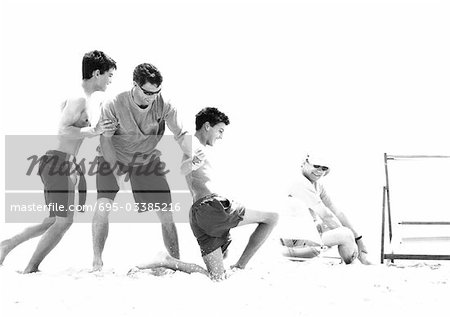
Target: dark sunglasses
x,y
323,168
149,93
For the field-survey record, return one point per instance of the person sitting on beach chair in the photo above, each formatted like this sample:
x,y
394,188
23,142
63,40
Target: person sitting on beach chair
x,y
299,230
332,224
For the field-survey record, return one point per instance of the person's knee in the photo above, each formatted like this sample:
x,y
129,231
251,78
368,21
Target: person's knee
x,y
274,218
349,245
271,218
63,223
103,207
350,258
168,225
347,235
49,221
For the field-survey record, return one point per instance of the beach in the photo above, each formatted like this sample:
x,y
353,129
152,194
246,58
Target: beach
x,y
345,80
271,285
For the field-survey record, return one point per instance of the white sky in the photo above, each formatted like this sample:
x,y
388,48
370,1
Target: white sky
x,y
349,79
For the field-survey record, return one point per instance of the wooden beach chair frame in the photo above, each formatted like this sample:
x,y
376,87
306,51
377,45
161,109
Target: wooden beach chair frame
x,y
388,222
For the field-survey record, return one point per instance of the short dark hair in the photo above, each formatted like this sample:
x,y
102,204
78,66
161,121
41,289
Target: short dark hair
x,y
96,60
147,73
211,115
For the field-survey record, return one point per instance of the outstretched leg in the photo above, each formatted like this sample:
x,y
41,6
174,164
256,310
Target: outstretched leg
x,y
266,222
8,245
100,229
49,240
164,260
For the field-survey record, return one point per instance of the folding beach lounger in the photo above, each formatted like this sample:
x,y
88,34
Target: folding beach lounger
x,y
387,220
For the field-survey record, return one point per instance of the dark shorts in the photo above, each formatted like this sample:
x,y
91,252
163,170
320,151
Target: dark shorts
x,y
147,187
55,169
211,219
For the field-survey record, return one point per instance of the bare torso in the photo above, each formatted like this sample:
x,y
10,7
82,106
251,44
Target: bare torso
x,y
200,180
80,119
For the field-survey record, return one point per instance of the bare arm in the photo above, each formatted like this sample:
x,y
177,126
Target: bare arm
x,y
328,218
362,249
190,164
338,213
179,133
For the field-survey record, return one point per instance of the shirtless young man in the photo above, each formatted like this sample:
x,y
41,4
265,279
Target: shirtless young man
x,y
58,169
212,216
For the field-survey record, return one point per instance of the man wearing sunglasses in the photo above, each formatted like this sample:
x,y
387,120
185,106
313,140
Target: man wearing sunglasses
x,y
332,224
142,115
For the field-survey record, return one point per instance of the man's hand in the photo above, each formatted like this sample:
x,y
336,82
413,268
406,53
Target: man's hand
x,y
317,221
106,125
362,253
198,157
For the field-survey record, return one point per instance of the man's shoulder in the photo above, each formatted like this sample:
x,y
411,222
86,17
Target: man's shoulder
x,y
74,103
196,143
301,181
116,100
300,185
319,187
165,103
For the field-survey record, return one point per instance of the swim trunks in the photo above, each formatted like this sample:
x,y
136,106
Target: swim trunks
x,y
60,174
211,219
148,185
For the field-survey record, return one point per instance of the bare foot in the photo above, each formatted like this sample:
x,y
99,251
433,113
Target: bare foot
x,y
4,250
97,266
30,270
236,267
158,271
163,258
161,271
133,271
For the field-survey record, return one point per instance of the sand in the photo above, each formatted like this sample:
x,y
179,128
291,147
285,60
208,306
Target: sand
x,y
270,286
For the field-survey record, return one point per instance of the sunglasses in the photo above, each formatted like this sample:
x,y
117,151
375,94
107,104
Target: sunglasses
x,y
323,168
149,93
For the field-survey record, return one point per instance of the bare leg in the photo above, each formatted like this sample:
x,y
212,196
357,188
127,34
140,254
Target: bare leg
x,y
169,232
48,241
266,222
164,260
214,264
7,246
301,252
345,240
100,229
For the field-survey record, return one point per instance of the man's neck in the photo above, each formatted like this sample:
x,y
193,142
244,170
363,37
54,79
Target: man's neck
x,y
88,87
308,179
202,138
135,99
